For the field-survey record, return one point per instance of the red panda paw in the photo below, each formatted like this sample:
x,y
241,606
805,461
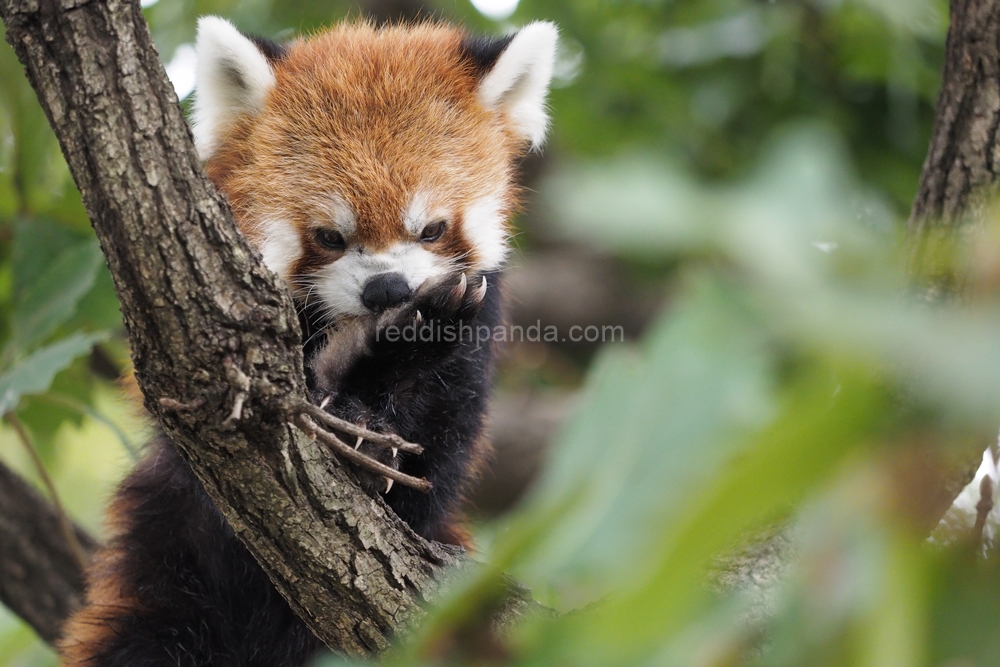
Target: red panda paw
x,y
452,300
370,477
371,481
373,455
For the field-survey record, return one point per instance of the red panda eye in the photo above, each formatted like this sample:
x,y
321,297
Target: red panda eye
x,y
330,239
433,231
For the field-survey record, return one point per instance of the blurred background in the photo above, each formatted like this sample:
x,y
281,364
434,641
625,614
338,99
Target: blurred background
x,y
735,459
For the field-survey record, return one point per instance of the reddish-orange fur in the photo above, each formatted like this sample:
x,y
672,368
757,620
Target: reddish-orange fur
x,y
107,598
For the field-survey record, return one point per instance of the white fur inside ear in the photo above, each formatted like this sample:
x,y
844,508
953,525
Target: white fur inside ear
x,y
519,81
233,78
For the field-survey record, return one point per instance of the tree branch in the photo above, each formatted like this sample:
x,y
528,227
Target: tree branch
x,y
66,526
40,576
197,302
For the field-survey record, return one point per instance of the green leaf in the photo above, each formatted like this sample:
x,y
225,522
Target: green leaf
x,y
99,309
966,599
53,297
851,573
652,426
67,401
38,241
46,419
34,374
823,423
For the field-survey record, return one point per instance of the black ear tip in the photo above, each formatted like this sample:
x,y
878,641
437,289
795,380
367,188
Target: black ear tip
x,y
482,52
271,50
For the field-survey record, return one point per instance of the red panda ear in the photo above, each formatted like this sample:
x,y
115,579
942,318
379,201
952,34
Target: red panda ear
x,y
234,75
515,72
483,51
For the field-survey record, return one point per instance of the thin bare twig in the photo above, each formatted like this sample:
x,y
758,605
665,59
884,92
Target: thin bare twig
x,y
65,524
240,380
309,427
173,405
387,440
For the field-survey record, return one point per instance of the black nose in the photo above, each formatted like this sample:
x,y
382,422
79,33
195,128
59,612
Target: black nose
x,y
384,291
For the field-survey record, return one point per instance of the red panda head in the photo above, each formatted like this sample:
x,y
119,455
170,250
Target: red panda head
x,y
361,153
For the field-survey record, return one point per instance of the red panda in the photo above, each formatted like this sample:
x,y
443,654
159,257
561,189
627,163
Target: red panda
x,y
374,169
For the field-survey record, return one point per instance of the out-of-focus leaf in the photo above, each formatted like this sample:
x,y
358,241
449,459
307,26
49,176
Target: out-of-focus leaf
x,y
856,590
71,403
896,627
814,256
965,596
638,204
823,422
52,299
8,192
45,418
35,373
37,242
952,353
655,425
919,17
43,180
99,309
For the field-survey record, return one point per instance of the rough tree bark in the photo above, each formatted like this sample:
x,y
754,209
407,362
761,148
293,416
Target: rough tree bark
x,y
964,153
214,338
40,576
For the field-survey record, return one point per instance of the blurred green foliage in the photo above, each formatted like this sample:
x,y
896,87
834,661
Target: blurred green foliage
x,y
760,157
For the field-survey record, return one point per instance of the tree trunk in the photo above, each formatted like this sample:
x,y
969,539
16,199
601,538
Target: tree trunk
x,y
964,155
214,338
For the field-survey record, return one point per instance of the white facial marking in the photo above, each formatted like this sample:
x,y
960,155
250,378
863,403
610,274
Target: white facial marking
x,y
232,78
417,263
483,224
338,213
420,213
519,81
281,246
